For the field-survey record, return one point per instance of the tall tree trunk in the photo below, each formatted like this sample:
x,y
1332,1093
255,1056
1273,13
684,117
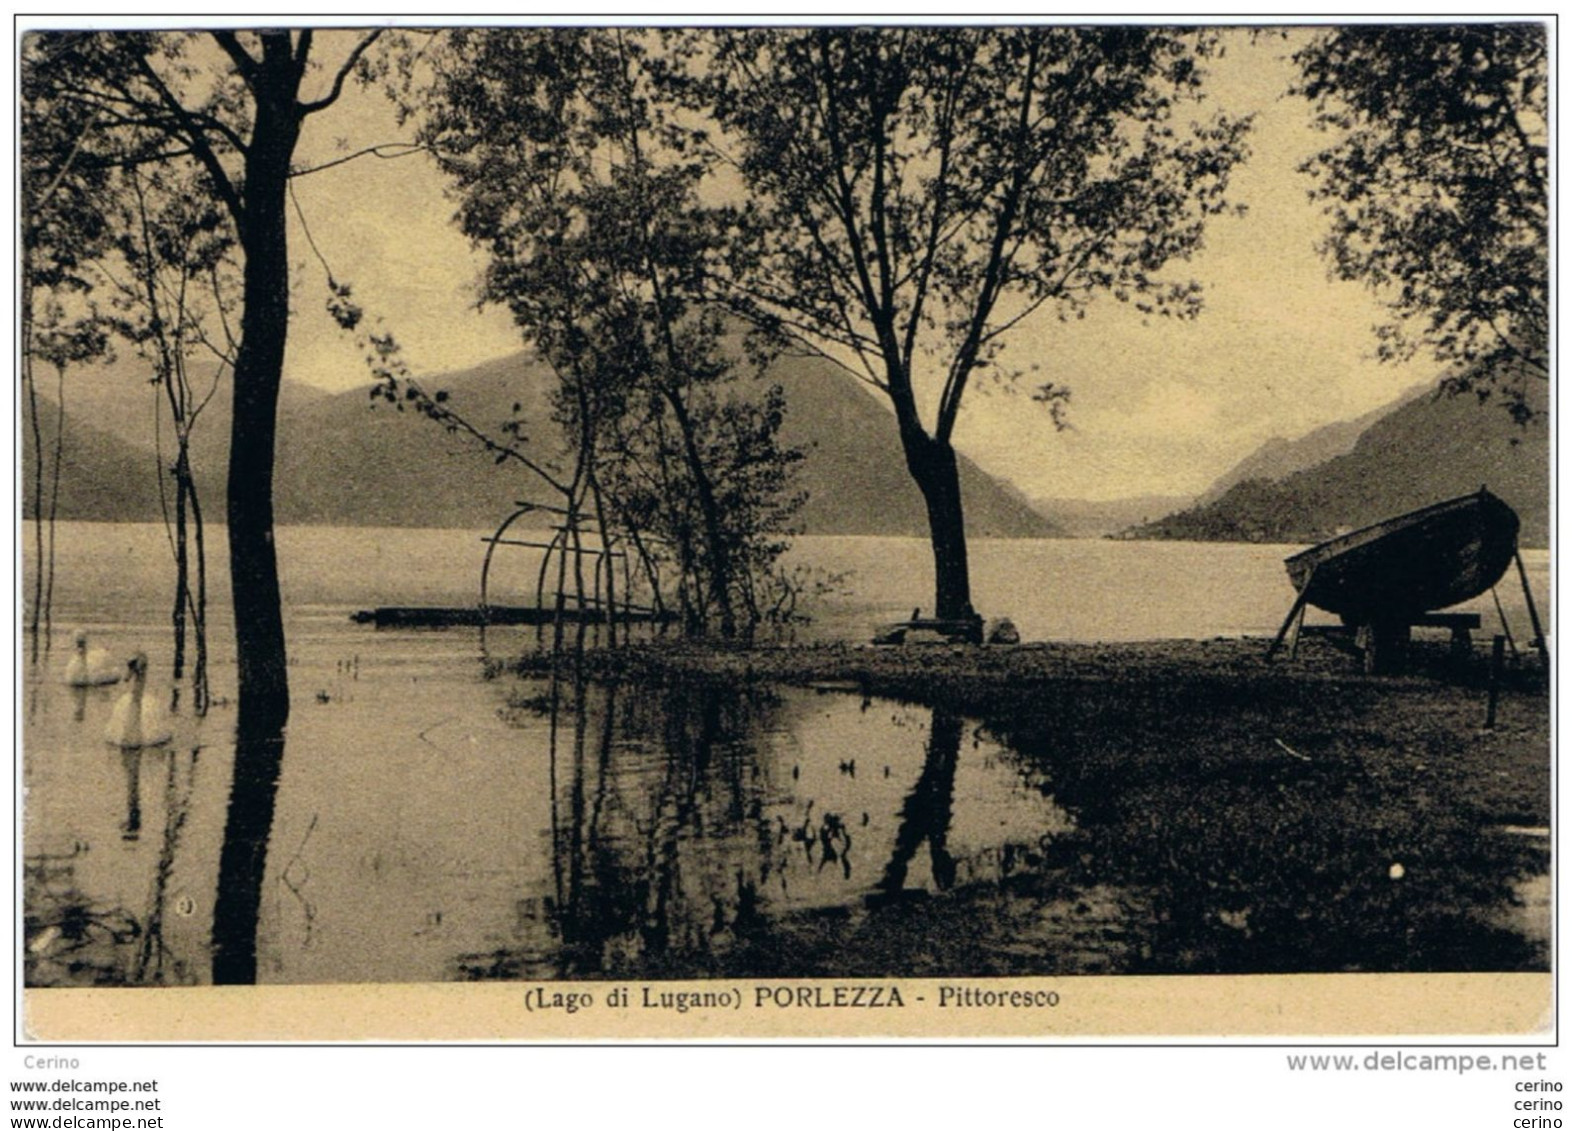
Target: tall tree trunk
x,y
719,552
715,539
259,365
932,466
54,503
38,501
199,688
182,564
253,561
26,359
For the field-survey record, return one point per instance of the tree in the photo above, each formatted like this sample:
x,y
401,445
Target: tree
x,y
172,286
920,192
62,229
232,104
61,341
1436,187
570,173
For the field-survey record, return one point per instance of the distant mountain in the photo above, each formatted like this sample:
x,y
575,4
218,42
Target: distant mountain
x,y
353,460
1279,458
855,473
1428,449
347,459
1095,518
1276,459
102,478
116,398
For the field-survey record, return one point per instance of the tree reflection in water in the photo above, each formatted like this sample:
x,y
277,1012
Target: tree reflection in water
x,y
71,939
658,835
653,855
689,846
259,756
927,812
131,763
708,830
672,851
155,961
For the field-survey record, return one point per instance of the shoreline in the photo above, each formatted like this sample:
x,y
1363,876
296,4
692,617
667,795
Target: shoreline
x,y
1231,816
999,675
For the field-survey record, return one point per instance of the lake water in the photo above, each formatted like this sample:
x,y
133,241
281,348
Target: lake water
x,y
433,824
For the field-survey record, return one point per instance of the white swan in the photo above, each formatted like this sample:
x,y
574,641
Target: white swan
x,y
90,668
136,720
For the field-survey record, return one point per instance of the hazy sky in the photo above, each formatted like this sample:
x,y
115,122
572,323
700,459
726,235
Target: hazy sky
x,y
1157,409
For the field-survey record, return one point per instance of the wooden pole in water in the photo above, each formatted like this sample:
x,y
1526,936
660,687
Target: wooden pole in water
x,y
1533,613
1505,627
491,548
627,593
1497,648
540,588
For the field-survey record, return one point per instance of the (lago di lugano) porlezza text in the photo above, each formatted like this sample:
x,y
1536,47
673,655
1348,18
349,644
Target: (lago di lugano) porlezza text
x,y
783,996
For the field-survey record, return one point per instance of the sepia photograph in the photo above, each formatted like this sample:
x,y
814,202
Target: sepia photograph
x,y
751,531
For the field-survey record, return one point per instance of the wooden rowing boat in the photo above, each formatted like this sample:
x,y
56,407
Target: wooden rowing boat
x,y
1406,566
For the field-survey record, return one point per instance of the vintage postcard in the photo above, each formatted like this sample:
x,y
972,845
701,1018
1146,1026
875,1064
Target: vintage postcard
x,y
690,532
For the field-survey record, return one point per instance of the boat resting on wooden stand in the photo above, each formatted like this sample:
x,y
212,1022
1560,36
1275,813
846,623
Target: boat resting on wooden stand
x,y
1386,578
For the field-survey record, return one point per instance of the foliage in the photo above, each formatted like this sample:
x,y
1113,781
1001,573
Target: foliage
x,y
63,169
925,190
62,228
917,193
173,287
1436,188
571,172
225,107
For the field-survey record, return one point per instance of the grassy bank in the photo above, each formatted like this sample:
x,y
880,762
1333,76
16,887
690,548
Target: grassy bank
x,y
976,678
1230,815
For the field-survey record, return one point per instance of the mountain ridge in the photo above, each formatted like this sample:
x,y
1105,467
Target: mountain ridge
x,y
1427,449
1280,457
349,459
1098,518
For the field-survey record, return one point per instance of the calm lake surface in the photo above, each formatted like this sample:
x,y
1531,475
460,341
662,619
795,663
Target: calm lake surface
x,y
433,824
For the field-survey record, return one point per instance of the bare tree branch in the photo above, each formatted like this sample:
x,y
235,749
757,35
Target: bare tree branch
x,y
386,151
243,60
343,73
193,132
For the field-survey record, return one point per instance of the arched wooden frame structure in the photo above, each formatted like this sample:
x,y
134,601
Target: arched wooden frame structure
x,y
601,604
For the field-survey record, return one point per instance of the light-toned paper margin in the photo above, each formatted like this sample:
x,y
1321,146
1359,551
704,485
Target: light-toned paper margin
x,y
1506,1006
1509,1007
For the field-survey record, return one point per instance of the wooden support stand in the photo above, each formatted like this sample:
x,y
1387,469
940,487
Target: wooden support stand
x,y
1496,650
1385,643
1462,626
1297,613
1385,646
1533,613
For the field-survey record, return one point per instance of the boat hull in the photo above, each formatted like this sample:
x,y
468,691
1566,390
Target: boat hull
x,y
1409,565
